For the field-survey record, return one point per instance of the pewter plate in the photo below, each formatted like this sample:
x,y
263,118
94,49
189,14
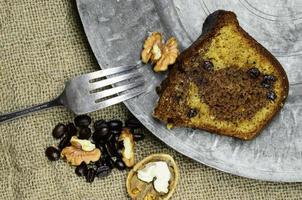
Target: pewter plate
x,y
116,30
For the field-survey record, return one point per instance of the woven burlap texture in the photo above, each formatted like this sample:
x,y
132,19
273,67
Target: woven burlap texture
x,y
42,45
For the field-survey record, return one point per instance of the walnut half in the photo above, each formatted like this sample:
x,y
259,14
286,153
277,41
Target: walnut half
x,y
81,151
152,47
76,156
162,55
169,54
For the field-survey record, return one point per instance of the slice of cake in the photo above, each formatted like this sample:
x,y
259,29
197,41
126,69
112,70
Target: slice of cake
x,y
225,82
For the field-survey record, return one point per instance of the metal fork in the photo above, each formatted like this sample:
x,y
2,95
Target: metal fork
x,y
81,94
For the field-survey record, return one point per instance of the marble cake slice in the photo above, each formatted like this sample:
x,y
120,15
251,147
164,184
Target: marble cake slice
x,y
225,82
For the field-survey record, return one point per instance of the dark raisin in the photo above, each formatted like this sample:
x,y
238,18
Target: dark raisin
x,y
103,171
192,112
64,142
158,90
266,84
271,95
176,97
269,78
82,121
119,164
71,129
133,123
254,72
170,120
115,124
138,136
84,133
195,71
90,175
100,124
208,65
82,169
52,153
201,81
59,130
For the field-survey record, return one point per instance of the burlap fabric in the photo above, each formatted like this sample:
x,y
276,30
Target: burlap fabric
x,y
42,45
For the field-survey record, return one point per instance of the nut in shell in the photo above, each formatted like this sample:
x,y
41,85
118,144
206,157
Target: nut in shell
x,y
138,189
128,155
157,172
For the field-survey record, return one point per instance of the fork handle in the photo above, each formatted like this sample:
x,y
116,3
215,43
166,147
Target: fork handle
x,y
14,115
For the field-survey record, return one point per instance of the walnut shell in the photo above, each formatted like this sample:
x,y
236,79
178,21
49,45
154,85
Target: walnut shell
x,y
134,185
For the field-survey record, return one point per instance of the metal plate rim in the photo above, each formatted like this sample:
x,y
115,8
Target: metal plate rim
x,y
256,174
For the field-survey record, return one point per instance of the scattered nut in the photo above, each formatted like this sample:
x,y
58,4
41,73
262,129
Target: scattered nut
x,y
80,151
128,151
85,145
76,156
138,189
159,53
169,54
152,47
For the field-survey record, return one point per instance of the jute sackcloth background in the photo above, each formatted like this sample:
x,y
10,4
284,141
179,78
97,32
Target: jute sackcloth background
x,y
42,45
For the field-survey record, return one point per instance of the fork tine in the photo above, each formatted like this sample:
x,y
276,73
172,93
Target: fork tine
x,y
118,99
107,72
116,90
113,80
